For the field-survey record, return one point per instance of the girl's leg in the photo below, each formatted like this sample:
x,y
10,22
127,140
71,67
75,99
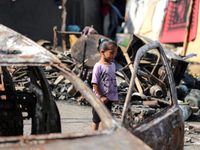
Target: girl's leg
x,y
95,126
101,126
95,120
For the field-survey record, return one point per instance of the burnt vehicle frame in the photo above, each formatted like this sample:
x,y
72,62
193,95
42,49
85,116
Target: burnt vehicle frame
x,y
18,105
52,124
166,127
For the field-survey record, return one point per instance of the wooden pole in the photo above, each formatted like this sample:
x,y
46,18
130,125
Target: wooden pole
x,y
131,69
63,26
189,18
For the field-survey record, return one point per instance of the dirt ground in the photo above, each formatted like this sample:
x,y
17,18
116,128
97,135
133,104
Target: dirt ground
x,y
74,117
192,133
194,68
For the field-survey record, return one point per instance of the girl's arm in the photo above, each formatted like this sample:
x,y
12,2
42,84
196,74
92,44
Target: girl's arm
x,y
99,93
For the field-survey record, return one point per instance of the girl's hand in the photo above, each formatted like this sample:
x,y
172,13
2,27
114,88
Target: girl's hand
x,y
116,102
104,99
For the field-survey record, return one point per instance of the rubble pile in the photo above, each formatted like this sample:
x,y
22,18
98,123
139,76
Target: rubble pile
x,y
150,93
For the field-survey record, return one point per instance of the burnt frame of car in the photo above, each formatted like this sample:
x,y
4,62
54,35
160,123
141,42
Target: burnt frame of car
x,y
163,130
166,127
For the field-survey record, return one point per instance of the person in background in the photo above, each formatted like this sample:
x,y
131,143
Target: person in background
x,y
117,15
104,79
105,13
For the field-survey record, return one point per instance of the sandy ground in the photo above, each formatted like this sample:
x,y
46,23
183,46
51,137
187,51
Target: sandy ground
x,y
75,118
192,134
194,68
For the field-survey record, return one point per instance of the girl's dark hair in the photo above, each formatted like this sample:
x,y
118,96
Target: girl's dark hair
x,y
105,44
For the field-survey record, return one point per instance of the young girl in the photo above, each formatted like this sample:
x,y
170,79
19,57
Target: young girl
x,y
104,79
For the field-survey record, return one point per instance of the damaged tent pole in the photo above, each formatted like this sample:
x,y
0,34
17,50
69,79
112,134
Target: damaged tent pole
x,y
132,68
189,18
83,62
55,38
63,27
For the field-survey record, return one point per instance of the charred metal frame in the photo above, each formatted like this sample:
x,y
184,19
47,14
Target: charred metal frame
x,y
63,33
168,122
36,104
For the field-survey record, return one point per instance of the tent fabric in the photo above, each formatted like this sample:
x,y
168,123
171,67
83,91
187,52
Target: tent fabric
x,y
147,26
146,17
174,29
135,13
193,46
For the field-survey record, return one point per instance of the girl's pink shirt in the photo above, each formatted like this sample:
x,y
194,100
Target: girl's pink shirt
x,y
104,76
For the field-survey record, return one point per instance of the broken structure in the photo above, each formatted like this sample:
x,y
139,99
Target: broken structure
x,y
30,97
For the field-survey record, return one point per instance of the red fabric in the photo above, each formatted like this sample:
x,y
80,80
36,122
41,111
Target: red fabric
x,y
105,9
174,28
